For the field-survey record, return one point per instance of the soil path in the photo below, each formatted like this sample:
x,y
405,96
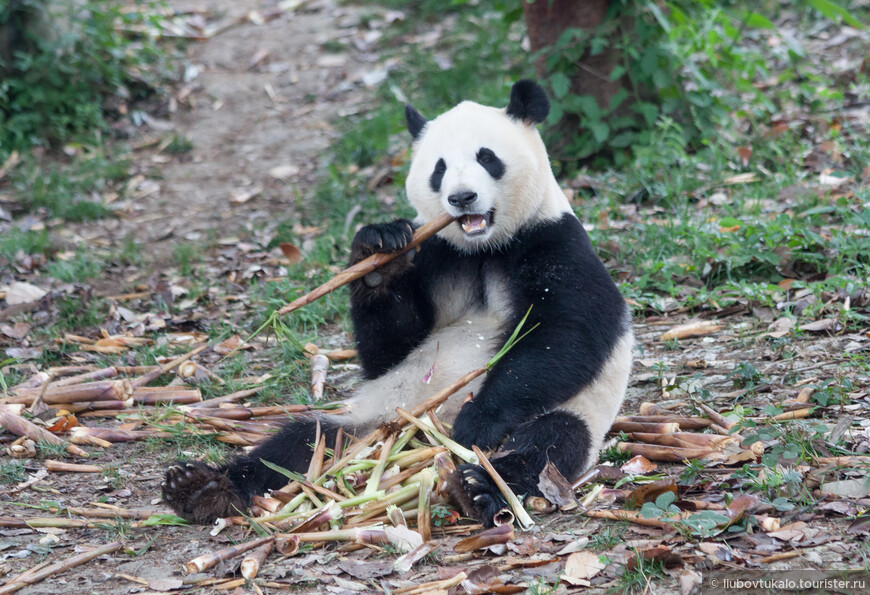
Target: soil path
x,y
258,105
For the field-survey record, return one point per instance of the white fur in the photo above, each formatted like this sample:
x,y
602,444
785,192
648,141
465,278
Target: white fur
x,y
599,403
528,191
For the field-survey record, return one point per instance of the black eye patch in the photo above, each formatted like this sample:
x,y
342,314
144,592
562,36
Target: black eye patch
x,y
491,163
437,175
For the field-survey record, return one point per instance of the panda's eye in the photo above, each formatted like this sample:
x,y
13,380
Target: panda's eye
x,y
437,176
490,162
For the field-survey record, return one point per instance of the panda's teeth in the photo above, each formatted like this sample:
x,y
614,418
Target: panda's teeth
x,y
472,223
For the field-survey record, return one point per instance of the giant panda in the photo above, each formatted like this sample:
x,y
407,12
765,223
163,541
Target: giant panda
x,y
448,306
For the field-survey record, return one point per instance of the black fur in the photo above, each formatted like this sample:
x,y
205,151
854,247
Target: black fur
x,y
528,102
491,163
202,493
558,436
437,176
415,121
552,267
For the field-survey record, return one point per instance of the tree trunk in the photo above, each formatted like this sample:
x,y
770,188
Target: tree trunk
x,y
546,20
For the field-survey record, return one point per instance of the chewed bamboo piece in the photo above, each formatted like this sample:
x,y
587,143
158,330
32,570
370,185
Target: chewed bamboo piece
x,y
516,506
21,427
366,266
30,578
319,367
206,561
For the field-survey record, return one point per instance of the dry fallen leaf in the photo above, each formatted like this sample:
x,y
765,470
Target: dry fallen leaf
x,y
230,345
17,331
291,252
638,465
23,293
828,325
648,492
581,567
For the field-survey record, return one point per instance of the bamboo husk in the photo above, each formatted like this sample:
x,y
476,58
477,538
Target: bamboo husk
x,y
21,581
648,428
366,266
102,390
671,454
685,422
319,367
685,439
85,440
252,561
61,467
21,427
520,513
653,409
424,504
206,561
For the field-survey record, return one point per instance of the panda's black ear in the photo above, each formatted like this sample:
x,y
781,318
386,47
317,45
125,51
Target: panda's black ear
x,y
528,103
415,121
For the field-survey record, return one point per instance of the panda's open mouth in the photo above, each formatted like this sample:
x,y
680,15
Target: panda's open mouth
x,y
475,224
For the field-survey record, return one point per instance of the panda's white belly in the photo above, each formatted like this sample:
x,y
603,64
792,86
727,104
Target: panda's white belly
x,y
448,353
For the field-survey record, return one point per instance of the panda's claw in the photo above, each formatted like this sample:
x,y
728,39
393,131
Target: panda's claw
x,y
473,489
200,493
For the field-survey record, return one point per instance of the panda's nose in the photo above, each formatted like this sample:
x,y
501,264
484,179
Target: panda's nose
x,y
462,199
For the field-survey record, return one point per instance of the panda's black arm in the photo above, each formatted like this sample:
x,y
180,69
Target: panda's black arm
x,y
392,309
580,316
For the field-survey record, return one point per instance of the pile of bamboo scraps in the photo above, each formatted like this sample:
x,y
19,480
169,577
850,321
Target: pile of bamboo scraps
x,y
73,395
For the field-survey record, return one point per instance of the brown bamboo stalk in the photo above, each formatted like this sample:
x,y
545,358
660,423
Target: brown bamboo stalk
x,y
136,370
236,396
442,586
110,408
315,466
102,390
685,422
496,535
648,428
61,467
101,374
106,513
717,417
21,427
206,561
796,414
655,452
149,377
252,561
85,440
19,582
319,367
166,395
116,435
519,512
359,534
364,267
632,516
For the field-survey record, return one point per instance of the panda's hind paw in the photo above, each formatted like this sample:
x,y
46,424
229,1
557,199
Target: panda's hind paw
x,y
200,493
472,488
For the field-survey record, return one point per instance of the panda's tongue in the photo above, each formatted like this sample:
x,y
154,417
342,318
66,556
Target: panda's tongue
x,y
474,223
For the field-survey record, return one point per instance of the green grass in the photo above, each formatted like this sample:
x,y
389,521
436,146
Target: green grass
x,y
79,268
638,579
12,472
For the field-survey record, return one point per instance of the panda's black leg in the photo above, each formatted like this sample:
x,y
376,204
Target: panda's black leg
x,y
202,493
558,436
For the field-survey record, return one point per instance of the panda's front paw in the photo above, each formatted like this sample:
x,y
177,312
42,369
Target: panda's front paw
x,y
478,427
472,488
381,237
200,493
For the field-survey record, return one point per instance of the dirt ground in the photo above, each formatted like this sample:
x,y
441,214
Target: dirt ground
x,y
258,133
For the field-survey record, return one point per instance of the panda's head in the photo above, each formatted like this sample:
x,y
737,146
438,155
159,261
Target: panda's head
x,y
485,165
